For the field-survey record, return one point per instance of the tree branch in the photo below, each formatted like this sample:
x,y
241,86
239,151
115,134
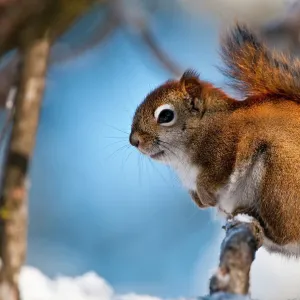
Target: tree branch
x,y
100,33
136,20
13,201
231,280
159,54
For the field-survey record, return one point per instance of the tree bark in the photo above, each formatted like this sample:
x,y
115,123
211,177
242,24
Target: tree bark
x,y
231,280
13,200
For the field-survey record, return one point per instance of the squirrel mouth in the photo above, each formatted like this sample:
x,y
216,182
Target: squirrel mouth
x,y
157,155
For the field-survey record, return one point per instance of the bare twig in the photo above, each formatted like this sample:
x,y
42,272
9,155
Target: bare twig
x,y
116,16
160,55
13,201
231,281
100,33
135,18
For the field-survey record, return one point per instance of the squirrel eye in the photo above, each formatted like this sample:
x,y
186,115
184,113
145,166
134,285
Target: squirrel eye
x,y
165,115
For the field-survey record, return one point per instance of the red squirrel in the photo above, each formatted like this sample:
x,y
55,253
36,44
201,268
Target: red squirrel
x,y
238,156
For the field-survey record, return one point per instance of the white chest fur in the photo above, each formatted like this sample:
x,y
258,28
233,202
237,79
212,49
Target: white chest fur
x,y
242,188
186,172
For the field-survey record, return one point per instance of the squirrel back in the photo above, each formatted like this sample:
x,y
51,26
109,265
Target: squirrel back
x,y
255,71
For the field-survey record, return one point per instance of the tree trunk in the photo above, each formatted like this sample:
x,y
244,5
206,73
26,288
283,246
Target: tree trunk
x,y
13,200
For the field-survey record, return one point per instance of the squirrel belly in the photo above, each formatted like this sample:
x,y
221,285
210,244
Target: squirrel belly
x,y
242,189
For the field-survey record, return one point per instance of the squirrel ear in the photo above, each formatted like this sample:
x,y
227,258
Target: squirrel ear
x,y
189,81
191,85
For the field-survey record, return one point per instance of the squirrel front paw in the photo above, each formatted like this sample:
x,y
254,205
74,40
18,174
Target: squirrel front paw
x,y
200,201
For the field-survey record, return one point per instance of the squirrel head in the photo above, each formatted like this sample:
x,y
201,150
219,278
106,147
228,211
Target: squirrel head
x,y
162,124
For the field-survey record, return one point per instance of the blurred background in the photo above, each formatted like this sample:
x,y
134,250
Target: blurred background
x,y
95,203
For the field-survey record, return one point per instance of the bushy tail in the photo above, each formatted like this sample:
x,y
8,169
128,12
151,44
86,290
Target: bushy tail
x,y
256,71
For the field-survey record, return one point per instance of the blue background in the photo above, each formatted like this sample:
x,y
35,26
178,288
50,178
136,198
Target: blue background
x,y
97,204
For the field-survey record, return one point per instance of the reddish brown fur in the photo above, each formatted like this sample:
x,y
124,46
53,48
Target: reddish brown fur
x,y
222,134
255,71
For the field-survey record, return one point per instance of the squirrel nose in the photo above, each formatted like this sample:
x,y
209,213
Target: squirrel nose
x,y
134,140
